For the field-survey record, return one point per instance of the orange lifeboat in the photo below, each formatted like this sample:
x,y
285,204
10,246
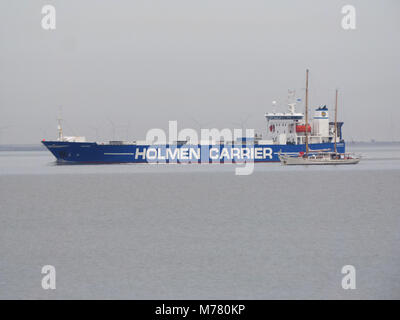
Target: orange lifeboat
x,y
302,128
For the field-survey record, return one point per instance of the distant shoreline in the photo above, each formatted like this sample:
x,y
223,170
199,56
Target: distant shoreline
x,y
22,147
40,147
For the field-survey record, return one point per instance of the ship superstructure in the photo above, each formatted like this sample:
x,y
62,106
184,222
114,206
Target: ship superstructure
x,y
290,127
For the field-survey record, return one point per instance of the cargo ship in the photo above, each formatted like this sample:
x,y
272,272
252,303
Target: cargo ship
x,y
288,133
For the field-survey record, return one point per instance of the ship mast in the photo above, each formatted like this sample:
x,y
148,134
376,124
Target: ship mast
x,y
59,127
306,112
336,119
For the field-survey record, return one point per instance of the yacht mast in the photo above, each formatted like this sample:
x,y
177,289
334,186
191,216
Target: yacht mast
x,y
306,112
336,119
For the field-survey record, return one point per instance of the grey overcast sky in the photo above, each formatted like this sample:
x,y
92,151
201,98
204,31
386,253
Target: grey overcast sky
x,y
201,62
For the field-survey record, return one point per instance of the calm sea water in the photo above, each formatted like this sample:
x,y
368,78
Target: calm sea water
x,y
199,231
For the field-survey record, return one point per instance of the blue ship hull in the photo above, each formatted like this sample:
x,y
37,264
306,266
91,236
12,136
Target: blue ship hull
x,y
91,152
